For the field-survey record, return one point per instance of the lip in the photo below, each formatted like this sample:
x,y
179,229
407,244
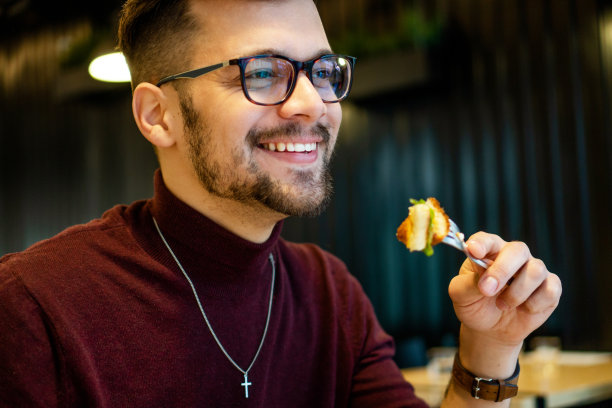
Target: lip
x,y
302,140
293,157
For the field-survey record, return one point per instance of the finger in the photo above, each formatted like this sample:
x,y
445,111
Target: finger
x,y
525,283
546,297
484,245
470,267
511,258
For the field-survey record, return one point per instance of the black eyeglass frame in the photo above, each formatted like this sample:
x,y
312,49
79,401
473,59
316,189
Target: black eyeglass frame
x,y
298,66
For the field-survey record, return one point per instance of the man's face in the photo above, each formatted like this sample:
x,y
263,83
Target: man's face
x,y
234,145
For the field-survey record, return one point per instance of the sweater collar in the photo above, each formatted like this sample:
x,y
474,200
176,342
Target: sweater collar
x,y
194,235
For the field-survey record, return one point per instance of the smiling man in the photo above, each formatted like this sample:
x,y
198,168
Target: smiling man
x,y
191,298
257,135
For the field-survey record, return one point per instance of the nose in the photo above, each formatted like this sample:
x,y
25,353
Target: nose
x,y
305,102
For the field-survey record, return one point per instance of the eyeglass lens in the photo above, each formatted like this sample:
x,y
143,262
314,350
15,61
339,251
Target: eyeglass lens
x,y
268,80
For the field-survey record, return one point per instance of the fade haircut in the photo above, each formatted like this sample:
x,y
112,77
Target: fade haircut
x,y
156,38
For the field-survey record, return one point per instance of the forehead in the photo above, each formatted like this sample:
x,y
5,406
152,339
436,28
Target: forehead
x,y
237,28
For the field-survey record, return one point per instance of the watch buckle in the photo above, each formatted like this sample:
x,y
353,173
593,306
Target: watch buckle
x,y
476,385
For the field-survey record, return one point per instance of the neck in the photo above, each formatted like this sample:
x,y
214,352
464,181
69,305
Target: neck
x,y
251,221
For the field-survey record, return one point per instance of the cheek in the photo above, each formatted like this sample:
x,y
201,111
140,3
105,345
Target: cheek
x,y
232,126
334,115
228,114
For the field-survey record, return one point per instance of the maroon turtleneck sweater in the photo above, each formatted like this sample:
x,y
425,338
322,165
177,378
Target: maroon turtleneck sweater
x,y
101,316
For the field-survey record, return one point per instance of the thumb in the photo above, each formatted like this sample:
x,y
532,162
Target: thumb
x,y
463,289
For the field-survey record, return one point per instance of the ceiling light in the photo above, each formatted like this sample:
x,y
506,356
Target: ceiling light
x,y
110,68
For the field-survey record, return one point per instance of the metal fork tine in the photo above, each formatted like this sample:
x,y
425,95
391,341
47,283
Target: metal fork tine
x,y
453,226
451,239
455,239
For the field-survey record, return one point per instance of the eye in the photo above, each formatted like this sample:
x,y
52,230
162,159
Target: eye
x,y
259,74
325,76
260,79
322,73
325,71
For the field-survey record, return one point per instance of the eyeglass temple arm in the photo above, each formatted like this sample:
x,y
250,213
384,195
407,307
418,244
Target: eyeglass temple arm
x,y
193,74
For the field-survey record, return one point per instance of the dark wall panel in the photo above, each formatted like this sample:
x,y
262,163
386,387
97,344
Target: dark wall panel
x,y
508,125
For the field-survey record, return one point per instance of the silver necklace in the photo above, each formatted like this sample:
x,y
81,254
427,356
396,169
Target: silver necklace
x,y
245,373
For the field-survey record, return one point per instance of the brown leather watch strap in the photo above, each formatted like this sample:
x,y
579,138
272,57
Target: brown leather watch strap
x,y
485,388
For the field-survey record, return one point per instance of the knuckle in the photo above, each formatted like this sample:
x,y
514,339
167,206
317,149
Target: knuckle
x,y
521,248
538,263
487,237
555,278
547,297
479,236
555,288
537,269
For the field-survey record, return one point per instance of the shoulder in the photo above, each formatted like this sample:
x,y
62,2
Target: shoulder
x,y
72,248
69,237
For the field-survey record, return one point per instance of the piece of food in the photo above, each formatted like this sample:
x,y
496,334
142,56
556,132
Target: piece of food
x,y
426,225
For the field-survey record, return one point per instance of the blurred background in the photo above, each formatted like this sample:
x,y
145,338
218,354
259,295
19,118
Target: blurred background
x,y
499,108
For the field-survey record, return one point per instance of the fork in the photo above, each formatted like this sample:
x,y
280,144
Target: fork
x,y
455,238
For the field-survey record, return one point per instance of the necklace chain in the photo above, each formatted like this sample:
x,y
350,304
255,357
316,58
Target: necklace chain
x,y
197,298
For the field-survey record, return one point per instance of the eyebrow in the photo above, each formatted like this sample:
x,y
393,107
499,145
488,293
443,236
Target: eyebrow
x,y
322,51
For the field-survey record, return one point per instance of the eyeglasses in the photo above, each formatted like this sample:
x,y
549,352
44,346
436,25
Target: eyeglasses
x,y
270,79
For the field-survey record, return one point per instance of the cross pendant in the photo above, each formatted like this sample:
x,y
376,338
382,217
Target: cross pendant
x,y
246,384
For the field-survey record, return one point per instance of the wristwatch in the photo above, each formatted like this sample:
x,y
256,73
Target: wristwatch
x,y
485,388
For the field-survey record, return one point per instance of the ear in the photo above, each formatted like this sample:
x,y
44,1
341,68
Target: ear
x,y
150,109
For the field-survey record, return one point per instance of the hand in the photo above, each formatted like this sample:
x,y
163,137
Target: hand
x,y
502,305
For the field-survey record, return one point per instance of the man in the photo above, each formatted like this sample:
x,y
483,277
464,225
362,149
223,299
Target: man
x,y
191,299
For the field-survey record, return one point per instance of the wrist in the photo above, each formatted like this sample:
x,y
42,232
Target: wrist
x,y
487,357
489,389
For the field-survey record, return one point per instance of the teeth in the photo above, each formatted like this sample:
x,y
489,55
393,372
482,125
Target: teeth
x,y
291,147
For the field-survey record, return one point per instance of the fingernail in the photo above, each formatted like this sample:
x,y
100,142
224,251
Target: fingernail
x,y
488,286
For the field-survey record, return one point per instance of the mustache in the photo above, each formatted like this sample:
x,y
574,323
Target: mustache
x,y
289,130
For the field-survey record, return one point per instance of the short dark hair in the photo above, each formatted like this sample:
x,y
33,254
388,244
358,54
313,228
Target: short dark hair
x,y
155,37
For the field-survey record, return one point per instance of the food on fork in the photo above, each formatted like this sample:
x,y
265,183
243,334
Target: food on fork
x,y
426,225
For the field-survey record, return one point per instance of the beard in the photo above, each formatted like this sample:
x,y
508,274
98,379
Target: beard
x,y
242,180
